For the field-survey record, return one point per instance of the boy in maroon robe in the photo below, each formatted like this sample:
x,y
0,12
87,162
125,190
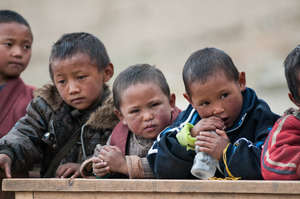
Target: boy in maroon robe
x,y
15,51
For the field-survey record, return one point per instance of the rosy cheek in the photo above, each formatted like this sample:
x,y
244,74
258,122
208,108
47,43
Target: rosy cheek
x,y
204,113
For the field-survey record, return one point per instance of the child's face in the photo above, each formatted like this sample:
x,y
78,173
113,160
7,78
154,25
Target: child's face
x,y
78,80
145,109
15,49
218,96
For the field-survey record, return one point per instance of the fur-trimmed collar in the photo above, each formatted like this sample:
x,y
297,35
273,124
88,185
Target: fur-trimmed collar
x,y
50,94
102,117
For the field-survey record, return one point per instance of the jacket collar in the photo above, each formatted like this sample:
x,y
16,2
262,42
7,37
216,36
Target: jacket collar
x,y
101,117
249,98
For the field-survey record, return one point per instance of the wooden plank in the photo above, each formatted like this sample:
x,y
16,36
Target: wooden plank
x,y
145,186
24,195
131,195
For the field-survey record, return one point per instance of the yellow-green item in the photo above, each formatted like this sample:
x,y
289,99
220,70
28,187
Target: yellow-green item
x,y
184,137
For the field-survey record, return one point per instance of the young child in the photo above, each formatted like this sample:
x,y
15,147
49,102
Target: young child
x,y
65,121
221,102
15,51
145,107
280,156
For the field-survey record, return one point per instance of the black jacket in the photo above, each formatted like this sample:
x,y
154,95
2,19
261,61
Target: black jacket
x,y
168,159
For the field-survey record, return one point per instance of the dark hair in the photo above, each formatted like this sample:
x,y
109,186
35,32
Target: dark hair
x,y
81,42
8,16
291,69
140,73
205,63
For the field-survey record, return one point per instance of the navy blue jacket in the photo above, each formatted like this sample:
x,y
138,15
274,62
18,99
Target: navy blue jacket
x,y
168,159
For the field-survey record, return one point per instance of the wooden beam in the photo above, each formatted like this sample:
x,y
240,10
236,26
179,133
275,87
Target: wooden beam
x,y
151,186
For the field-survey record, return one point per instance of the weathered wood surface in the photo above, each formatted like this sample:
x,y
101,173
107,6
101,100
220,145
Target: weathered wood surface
x,y
174,189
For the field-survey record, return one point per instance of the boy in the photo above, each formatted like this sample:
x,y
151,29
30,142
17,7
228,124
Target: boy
x,y
145,107
66,120
15,51
280,155
220,102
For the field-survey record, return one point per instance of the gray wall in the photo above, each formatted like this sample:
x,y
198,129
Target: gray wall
x,y
257,34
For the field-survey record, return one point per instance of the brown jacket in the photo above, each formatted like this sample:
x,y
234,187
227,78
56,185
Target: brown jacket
x,y
49,124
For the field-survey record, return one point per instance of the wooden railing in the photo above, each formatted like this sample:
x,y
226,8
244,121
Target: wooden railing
x,y
147,189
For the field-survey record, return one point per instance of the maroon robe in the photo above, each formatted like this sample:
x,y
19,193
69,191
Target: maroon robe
x,y
14,98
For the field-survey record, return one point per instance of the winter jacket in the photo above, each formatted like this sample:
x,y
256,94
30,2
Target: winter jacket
x,y
48,125
280,158
14,98
168,159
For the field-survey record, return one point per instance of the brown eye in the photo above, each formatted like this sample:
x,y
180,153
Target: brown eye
x,y
9,44
82,76
224,95
134,111
61,81
27,47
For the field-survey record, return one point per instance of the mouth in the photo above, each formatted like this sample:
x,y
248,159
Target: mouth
x,y
150,128
78,100
225,120
16,65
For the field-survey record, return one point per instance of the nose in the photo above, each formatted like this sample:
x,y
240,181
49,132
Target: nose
x,y
218,109
148,115
73,88
16,51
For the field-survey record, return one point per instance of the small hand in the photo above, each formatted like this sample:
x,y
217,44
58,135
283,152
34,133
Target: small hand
x,y
5,164
208,124
100,167
68,169
114,158
212,143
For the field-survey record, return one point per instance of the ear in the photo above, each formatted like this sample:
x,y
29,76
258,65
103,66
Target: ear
x,y
242,81
293,100
120,116
108,72
172,100
187,97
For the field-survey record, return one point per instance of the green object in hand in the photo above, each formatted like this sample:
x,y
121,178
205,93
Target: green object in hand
x,y
184,137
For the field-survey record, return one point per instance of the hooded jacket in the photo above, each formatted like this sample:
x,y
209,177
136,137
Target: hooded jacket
x,y
48,125
168,159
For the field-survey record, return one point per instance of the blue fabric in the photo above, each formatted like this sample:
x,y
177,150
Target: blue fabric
x,y
168,159
2,86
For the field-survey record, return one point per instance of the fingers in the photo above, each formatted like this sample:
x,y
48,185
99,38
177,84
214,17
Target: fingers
x,y
222,134
99,165
7,170
76,174
100,168
68,172
101,171
5,165
96,160
205,146
208,124
60,171
212,143
207,136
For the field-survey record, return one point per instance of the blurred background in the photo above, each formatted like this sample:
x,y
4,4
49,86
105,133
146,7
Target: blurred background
x,y
257,34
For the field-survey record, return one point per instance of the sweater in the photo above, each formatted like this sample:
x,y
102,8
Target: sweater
x,y
280,158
